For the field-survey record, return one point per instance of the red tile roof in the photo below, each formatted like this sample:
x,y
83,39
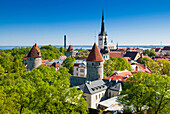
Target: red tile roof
x,y
95,54
45,61
120,75
55,65
142,68
70,49
35,52
115,54
166,48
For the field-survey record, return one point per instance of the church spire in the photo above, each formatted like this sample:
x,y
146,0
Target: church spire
x,y
102,27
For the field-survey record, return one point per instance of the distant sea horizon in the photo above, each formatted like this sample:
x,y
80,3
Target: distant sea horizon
x,y
90,46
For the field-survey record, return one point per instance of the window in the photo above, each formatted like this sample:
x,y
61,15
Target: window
x,y
110,94
102,94
99,63
96,105
96,97
99,96
81,70
77,69
92,64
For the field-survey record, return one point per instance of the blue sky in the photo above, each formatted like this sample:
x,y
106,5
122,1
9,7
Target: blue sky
x,y
24,22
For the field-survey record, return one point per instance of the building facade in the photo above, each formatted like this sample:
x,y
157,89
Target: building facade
x,y
34,58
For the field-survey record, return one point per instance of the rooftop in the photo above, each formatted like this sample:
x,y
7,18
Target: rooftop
x,y
35,52
95,54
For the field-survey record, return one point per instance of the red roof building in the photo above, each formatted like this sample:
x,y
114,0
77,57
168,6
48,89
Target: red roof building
x,y
95,54
45,61
120,75
115,54
140,67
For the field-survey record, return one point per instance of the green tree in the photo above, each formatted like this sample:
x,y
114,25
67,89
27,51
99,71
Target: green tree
x,y
144,60
6,62
115,63
148,92
69,63
1,70
160,66
150,52
43,90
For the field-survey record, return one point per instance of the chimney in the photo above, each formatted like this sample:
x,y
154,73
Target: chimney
x,y
64,41
136,68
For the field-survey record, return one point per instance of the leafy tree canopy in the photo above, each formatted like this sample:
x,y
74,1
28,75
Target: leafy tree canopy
x,y
69,63
115,63
150,52
43,90
148,92
143,60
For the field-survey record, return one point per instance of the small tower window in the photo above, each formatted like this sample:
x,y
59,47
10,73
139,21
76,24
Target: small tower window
x,y
99,63
92,64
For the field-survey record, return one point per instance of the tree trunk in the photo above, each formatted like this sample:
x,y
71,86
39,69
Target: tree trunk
x,y
21,109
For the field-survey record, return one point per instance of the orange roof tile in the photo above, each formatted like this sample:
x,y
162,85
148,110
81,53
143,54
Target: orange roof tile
x,y
125,73
95,54
115,54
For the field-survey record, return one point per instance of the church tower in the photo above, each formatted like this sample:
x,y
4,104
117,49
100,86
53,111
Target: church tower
x,y
94,64
34,58
102,36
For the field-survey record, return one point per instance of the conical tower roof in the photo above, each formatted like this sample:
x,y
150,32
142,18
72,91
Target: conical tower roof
x,y
35,52
95,54
55,65
70,49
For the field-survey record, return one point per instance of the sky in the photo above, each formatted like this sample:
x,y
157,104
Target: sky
x,y
128,22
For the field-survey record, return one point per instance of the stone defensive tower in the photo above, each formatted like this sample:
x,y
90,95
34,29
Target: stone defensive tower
x,y
70,51
34,58
94,64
